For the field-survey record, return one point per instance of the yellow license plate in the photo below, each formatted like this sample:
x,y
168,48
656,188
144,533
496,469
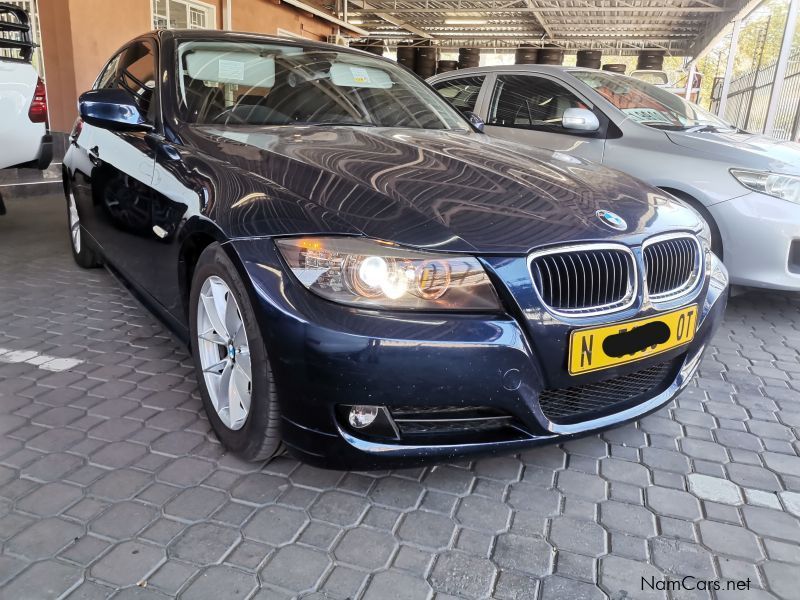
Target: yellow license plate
x,y
598,348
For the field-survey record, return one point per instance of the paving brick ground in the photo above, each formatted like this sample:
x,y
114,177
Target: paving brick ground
x,y
111,484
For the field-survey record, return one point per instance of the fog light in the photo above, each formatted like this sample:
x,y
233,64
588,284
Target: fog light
x,y
362,416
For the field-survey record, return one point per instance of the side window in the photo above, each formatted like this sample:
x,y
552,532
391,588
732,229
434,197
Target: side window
x,y
108,76
530,102
462,92
134,70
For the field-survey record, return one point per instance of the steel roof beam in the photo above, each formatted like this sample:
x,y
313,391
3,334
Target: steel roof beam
x,y
547,9
393,20
718,26
539,18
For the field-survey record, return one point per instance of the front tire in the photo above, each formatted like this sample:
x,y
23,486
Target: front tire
x,y
85,256
231,360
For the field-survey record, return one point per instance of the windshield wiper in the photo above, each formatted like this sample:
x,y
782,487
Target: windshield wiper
x,y
332,124
706,128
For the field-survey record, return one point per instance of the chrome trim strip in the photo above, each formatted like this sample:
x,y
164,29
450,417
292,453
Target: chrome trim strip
x,y
630,293
688,286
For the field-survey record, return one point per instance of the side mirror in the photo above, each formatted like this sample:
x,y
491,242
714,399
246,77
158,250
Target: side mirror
x,y
475,120
580,119
112,109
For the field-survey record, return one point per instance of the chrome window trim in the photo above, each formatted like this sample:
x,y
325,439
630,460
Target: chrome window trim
x,y
630,293
689,286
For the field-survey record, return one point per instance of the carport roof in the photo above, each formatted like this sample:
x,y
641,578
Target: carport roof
x,y
681,27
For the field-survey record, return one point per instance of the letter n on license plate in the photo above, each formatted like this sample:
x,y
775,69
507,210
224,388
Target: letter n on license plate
x,y
597,348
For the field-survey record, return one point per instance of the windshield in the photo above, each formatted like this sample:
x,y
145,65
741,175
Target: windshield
x,y
650,105
243,83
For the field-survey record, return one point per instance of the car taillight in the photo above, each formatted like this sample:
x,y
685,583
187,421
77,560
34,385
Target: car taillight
x,y
38,110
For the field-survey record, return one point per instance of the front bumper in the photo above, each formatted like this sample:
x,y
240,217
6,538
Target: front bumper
x,y
760,240
326,356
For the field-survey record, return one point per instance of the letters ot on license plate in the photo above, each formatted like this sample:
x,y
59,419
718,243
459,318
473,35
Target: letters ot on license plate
x,y
608,346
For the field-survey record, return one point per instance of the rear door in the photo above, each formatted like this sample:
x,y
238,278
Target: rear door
x,y
528,109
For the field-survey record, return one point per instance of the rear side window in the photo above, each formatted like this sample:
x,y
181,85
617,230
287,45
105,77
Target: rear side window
x,y
530,102
461,92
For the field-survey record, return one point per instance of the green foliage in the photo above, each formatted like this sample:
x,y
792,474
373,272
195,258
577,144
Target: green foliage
x,y
759,43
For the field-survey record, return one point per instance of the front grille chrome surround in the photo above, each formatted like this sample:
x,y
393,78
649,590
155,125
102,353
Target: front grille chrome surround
x,y
673,265
585,280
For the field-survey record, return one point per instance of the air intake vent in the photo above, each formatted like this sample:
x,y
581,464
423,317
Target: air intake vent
x,y
672,266
584,402
585,280
448,420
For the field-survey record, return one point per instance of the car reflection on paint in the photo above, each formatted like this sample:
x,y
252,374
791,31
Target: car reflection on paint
x,y
362,276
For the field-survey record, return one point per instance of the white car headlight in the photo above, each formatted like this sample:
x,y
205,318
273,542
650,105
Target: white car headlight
x,y
785,187
372,274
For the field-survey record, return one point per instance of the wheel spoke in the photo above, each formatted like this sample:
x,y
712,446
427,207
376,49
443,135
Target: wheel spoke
x,y
213,312
223,396
243,363
217,368
233,323
239,403
213,337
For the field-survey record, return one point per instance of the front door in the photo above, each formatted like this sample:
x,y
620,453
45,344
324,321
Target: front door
x,y
528,109
115,201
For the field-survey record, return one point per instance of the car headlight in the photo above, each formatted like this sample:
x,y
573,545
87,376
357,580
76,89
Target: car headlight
x,y
785,187
372,274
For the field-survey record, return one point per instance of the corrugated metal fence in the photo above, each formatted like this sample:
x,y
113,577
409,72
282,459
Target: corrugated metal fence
x,y
749,95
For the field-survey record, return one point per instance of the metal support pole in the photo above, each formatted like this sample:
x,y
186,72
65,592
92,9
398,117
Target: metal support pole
x,y
227,15
780,68
690,80
726,78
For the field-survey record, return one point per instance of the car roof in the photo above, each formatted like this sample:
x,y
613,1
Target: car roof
x,y
532,68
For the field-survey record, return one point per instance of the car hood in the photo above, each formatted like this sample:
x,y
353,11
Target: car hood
x,y
430,189
744,150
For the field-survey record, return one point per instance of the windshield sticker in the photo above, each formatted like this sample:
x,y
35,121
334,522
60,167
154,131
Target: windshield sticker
x,y
231,70
359,75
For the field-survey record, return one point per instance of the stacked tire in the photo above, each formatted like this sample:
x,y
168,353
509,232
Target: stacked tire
x,y
407,55
650,60
372,46
526,54
445,66
469,57
615,67
589,59
550,55
425,61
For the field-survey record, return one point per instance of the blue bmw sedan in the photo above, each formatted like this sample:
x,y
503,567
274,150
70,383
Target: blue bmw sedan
x,y
363,277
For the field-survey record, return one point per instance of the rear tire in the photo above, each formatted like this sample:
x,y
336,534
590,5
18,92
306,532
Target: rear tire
x,y
83,254
239,397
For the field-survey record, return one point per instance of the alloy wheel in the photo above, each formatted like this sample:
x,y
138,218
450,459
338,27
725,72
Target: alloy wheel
x,y
224,352
74,224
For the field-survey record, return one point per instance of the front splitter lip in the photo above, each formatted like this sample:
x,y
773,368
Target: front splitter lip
x,y
380,449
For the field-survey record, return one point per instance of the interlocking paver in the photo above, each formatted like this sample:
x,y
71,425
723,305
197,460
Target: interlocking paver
x,y
127,563
109,475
